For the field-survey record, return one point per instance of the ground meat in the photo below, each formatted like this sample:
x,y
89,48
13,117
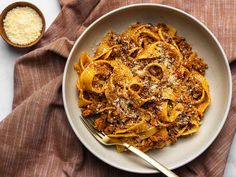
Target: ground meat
x,y
110,129
89,110
197,92
184,47
156,71
86,112
100,123
197,64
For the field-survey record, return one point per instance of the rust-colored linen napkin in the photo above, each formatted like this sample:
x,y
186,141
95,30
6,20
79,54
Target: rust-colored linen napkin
x,y
36,139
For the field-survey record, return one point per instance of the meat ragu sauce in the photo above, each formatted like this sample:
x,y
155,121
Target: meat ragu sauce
x,y
145,86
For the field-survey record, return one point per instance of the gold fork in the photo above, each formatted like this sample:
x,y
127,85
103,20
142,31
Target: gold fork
x,y
105,140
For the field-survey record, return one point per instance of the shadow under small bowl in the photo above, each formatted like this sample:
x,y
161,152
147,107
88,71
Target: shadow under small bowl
x,y
3,15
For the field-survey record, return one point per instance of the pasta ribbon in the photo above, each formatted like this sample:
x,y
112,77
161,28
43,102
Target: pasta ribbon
x,y
95,69
205,99
173,114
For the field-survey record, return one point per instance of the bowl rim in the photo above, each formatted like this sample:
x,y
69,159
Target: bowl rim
x,y
21,4
190,158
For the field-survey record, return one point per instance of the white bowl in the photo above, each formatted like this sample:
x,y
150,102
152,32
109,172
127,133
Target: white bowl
x,y
218,75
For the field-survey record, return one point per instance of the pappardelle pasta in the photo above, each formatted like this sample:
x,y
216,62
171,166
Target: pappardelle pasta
x,y
144,86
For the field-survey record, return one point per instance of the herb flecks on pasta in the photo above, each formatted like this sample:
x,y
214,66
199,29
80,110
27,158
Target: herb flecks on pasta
x,y
144,86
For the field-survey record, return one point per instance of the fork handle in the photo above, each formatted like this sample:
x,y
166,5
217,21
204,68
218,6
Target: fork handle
x,y
150,160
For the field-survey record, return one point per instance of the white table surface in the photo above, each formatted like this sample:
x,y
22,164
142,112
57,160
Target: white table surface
x,y
8,55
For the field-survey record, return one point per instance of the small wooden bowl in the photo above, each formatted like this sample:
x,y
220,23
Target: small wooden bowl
x,y
3,15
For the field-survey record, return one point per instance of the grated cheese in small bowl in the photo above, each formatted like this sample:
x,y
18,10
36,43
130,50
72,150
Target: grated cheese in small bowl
x,y
23,24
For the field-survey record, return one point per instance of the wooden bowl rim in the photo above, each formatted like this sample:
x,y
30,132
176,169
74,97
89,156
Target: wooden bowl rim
x,y
20,4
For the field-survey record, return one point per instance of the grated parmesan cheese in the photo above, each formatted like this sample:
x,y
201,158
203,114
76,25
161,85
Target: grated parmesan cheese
x,y
172,79
153,88
22,25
